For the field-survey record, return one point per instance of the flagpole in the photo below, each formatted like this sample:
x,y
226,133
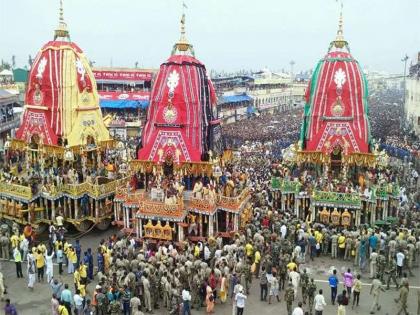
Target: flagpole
x,y
184,6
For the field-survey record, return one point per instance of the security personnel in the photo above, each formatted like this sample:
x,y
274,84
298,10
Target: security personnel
x,y
289,296
381,263
304,281
311,295
402,301
392,270
334,241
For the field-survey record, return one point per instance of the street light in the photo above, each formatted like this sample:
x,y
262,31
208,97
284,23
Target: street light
x,y
292,63
404,59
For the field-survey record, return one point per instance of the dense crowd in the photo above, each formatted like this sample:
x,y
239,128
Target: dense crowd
x,y
283,128
386,117
128,115
273,250
278,129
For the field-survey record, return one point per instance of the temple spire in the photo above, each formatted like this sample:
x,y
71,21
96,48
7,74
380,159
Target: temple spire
x,y
339,41
183,46
183,38
61,31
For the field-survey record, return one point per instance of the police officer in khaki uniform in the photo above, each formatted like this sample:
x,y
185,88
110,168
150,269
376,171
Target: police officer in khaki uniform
x,y
402,301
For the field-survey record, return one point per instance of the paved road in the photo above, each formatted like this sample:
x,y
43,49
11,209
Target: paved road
x,y
38,301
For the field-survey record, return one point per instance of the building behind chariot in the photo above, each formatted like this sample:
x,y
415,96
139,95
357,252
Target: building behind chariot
x,y
242,96
124,95
412,97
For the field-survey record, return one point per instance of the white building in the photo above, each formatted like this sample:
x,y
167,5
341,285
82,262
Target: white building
x,y
412,97
276,91
379,80
264,91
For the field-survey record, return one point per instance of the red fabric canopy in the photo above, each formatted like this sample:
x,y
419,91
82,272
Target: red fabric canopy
x,y
179,114
58,67
337,106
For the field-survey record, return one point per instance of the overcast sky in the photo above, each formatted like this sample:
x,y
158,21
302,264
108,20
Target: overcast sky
x,y
226,34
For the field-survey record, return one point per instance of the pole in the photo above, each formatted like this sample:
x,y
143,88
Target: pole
x,y
405,59
292,63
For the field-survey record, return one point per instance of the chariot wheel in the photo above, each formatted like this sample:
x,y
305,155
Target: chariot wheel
x,y
104,224
83,226
41,228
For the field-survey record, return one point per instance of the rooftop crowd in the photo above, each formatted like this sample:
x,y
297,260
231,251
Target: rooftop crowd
x,y
280,129
386,114
283,128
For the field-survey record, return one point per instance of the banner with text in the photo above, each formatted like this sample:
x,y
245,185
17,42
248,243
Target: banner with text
x,y
123,75
131,96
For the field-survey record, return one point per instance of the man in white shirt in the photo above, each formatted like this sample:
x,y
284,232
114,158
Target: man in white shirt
x,y
298,310
283,230
218,253
373,257
240,302
78,302
238,288
207,253
319,303
24,247
135,302
186,298
400,263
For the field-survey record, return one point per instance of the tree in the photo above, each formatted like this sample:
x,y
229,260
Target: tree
x,y
5,65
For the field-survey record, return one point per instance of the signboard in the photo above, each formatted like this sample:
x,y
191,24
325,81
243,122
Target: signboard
x,y
118,133
117,123
122,75
121,96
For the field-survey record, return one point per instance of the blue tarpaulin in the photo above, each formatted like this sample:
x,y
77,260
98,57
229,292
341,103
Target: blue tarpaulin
x,y
121,104
236,98
395,151
250,110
